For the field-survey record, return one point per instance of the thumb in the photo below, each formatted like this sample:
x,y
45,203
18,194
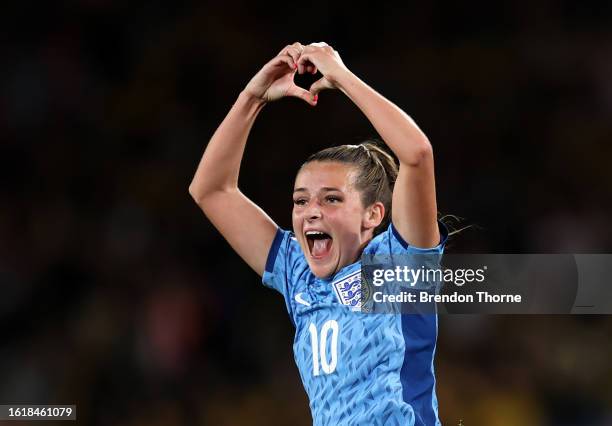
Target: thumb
x,y
319,85
305,95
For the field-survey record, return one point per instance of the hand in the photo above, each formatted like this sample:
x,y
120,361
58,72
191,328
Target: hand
x,y
323,57
275,79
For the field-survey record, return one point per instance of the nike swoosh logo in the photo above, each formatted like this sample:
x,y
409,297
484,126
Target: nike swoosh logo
x,y
298,298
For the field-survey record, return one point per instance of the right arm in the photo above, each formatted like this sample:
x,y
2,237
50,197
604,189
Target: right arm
x,y
246,227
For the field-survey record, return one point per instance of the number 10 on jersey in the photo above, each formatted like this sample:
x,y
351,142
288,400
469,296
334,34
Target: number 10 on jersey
x,y
318,342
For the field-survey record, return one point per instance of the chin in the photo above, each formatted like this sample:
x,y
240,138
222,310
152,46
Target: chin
x,y
321,274
321,271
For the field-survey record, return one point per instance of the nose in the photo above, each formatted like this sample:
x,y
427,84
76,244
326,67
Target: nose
x,y
313,211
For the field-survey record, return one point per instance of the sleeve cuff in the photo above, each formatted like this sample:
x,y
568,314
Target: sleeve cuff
x,y
278,238
443,237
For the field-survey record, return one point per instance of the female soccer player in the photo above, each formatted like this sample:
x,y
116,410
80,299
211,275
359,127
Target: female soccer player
x,y
357,368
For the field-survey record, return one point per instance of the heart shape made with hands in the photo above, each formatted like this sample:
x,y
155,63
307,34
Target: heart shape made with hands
x,y
306,79
306,60
275,80
305,76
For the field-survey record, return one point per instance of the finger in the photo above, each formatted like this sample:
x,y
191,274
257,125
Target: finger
x,y
303,94
283,59
306,67
304,64
294,50
319,85
283,51
304,59
313,47
294,53
310,68
308,64
298,46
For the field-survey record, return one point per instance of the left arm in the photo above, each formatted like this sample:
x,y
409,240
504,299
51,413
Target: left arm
x,y
414,212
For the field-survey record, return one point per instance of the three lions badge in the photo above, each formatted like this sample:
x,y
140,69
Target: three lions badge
x,y
350,292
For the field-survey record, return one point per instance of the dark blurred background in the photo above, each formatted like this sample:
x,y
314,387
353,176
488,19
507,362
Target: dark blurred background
x,y
119,296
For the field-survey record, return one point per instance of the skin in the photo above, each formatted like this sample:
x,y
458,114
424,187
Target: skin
x,y
250,231
325,199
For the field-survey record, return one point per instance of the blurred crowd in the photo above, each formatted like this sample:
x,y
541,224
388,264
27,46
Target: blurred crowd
x,y
119,296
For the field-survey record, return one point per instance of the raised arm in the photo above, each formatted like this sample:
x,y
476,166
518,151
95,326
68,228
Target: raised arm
x,y
414,212
247,228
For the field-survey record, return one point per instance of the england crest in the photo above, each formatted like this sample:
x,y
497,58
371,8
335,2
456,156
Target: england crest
x,y
348,290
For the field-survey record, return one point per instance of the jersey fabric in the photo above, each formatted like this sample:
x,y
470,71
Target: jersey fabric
x,y
357,368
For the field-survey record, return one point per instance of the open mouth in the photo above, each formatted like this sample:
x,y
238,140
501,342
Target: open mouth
x,y
319,243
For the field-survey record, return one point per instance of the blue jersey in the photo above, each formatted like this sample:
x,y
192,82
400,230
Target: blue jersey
x,y
357,368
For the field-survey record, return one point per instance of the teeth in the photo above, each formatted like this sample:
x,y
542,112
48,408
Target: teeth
x,y
314,233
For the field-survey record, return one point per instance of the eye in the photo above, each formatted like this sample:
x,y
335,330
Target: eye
x,y
299,201
332,199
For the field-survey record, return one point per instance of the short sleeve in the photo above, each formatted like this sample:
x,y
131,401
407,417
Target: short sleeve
x,y
396,239
389,250
391,242
284,256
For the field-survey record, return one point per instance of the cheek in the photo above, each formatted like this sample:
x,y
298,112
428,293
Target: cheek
x,y
355,213
347,220
295,218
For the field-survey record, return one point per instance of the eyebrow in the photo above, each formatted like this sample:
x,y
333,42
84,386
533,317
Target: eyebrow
x,y
325,188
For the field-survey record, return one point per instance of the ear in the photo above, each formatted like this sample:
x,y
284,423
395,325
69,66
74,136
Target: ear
x,y
373,216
